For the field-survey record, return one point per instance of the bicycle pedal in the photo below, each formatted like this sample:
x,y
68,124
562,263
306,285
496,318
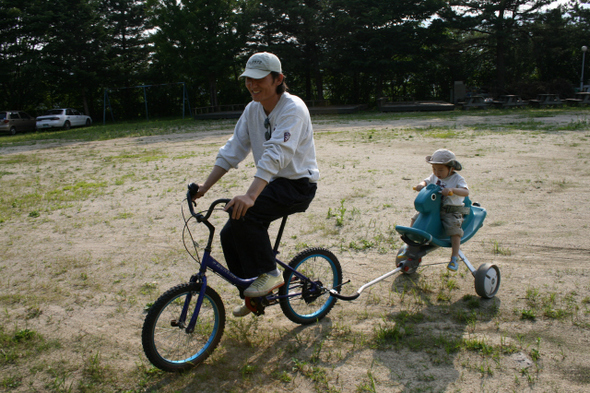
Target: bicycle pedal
x,y
255,305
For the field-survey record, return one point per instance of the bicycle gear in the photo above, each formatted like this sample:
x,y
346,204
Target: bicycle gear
x,y
311,291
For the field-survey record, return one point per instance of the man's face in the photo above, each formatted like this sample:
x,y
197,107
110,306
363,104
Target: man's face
x,y
265,89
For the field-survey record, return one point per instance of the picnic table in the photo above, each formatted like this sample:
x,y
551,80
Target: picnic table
x,y
474,102
581,98
544,100
510,101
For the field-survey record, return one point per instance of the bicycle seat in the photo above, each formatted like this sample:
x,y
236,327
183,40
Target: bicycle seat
x,y
428,228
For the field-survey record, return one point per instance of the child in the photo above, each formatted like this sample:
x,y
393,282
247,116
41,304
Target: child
x,y
454,190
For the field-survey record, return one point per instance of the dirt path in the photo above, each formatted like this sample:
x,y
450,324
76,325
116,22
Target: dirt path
x,y
93,235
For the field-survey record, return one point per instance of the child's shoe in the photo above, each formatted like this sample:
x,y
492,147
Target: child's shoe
x,y
453,265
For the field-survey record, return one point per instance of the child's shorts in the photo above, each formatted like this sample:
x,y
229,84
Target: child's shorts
x,y
452,222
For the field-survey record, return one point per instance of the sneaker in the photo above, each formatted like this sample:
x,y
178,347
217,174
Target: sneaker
x,y
264,284
453,265
241,311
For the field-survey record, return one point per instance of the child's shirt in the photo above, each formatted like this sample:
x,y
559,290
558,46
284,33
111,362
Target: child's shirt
x,y
453,181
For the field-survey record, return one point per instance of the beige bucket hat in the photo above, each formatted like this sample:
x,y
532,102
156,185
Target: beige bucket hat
x,y
444,157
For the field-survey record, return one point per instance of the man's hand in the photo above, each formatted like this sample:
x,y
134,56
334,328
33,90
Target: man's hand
x,y
200,193
240,204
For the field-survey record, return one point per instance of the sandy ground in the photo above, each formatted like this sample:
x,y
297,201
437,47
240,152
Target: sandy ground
x,y
93,235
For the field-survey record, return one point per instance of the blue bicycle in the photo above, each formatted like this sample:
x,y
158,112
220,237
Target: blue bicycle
x,y
186,323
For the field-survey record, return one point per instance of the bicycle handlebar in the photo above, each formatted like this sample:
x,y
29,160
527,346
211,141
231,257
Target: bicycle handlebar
x,y
193,188
449,194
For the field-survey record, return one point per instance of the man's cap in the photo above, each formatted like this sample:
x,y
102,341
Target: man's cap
x,y
444,157
261,64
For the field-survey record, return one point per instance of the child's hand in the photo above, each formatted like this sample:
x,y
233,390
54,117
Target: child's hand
x,y
418,187
447,191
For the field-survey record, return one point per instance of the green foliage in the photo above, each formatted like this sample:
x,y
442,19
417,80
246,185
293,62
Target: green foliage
x,y
67,53
20,344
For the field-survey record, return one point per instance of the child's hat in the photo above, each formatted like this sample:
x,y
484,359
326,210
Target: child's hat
x,y
444,157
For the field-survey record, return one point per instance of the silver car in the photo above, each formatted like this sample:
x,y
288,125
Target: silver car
x,y
16,121
63,118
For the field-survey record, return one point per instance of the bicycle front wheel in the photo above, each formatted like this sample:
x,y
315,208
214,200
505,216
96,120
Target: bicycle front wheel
x,y
166,341
306,301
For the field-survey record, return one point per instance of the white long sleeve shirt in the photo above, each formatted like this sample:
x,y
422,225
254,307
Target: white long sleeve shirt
x,y
289,153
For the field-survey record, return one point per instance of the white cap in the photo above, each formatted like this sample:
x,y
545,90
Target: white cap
x,y
261,64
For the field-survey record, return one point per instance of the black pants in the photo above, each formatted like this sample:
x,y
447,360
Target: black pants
x,y
246,243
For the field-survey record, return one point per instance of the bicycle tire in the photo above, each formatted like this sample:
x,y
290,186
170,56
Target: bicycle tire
x,y
168,346
309,306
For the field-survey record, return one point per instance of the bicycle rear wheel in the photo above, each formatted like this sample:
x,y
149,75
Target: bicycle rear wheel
x,y
304,301
166,342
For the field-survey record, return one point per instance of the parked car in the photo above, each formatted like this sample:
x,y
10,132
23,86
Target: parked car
x,y
16,121
62,118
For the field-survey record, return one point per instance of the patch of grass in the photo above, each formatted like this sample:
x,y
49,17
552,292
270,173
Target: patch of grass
x,y
497,249
318,375
575,125
20,345
484,348
439,132
95,373
367,386
551,305
528,315
388,335
148,288
581,374
472,301
340,214
247,370
99,132
123,216
11,382
282,376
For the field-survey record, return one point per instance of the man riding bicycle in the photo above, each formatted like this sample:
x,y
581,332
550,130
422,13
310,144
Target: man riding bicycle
x,y
276,127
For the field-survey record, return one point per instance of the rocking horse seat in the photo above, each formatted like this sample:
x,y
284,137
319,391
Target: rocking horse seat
x,y
428,229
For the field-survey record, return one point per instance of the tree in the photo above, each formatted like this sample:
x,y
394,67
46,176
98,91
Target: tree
x,y
294,31
126,27
23,24
196,41
377,46
493,26
73,54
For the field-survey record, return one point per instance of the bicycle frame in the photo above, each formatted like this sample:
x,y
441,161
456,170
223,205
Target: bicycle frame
x,y
209,262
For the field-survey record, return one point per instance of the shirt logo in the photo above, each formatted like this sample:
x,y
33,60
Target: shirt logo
x,y
287,136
